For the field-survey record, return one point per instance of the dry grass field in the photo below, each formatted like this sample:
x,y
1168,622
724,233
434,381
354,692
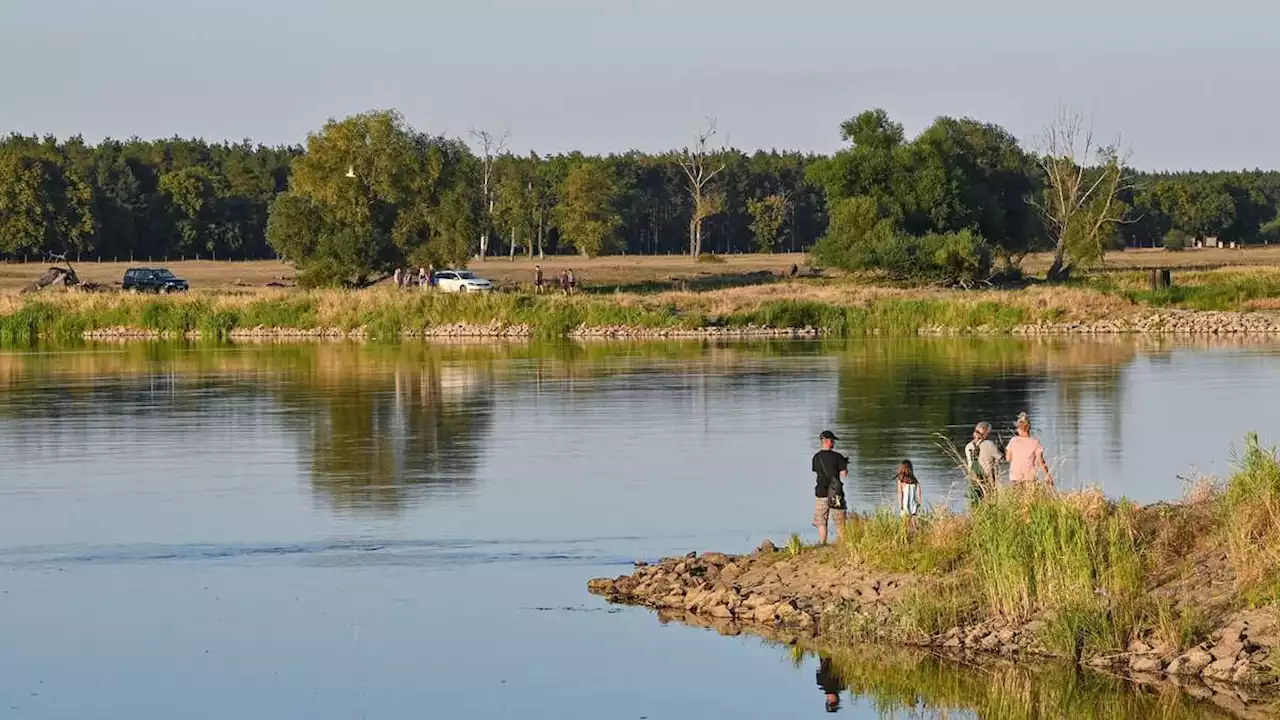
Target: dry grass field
x,y
647,272
613,271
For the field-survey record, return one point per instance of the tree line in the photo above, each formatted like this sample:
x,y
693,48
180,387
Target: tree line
x,y
959,201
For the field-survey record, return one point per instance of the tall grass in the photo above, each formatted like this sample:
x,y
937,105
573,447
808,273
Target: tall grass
x,y
1250,515
1212,290
384,313
1081,563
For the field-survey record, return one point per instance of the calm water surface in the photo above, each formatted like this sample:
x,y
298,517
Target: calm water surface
x,y
343,531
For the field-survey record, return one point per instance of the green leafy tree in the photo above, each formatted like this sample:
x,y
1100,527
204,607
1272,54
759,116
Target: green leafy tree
x,y
46,206
587,214
768,216
381,194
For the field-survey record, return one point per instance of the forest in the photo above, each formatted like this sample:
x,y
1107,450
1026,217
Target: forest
x,y
367,192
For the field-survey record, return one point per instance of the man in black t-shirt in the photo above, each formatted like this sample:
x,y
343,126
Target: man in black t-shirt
x,y
831,468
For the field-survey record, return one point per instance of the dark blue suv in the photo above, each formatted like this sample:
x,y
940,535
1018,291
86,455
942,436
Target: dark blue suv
x,y
158,280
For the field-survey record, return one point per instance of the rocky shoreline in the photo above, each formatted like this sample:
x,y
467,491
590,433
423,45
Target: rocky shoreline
x,y
1167,323
810,597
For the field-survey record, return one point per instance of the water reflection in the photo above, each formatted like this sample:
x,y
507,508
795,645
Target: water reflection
x,y
895,682
380,428
375,436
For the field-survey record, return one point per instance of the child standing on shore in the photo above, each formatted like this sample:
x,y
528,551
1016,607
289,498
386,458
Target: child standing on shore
x,y
908,493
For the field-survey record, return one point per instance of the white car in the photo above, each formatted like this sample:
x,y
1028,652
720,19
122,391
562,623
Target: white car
x,y
461,281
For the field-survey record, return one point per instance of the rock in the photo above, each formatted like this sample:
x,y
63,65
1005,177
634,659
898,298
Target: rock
x,y
730,572
1009,649
952,642
1252,674
1223,669
1145,664
764,613
674,600
1137,647
694,599
1228,647
721,611
1006,636
691,555
990,642
715,558
1192,662
599,585
1101,661
785,611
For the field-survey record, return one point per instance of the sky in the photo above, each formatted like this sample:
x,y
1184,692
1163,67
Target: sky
x,y
1184,85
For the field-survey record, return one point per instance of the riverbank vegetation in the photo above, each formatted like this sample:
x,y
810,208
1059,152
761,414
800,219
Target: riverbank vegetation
x,y
367,193
843,307
1095,575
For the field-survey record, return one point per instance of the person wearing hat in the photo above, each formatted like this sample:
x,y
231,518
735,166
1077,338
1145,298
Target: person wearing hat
x,y
831,468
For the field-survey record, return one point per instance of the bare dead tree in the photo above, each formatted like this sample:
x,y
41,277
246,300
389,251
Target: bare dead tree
x,y
1083,179
491,146
701,165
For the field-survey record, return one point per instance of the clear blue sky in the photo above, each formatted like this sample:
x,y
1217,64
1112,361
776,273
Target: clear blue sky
x,y
1189,84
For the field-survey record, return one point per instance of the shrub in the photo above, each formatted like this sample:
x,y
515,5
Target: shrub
x,y
710,258
1177,241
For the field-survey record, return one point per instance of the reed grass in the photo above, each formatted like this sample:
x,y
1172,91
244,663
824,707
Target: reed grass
x,y
1081,563
387,313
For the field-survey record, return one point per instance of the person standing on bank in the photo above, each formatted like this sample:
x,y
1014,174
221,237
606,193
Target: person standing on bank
x,y
537,279
1025,455
982,463
830,468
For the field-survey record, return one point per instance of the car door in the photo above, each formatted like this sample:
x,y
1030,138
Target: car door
x,y
448,281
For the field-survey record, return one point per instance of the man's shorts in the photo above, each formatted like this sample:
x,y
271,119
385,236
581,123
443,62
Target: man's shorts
x,y
822,512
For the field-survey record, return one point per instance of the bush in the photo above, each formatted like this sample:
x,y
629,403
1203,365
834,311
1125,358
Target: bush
x,y
710,258
1177,241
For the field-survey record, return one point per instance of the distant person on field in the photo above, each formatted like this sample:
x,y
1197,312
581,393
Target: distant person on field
x,y
396,277
431,276
1025,455
982,463
564,282
794,270
908,493
831,683
573,281
830,469
537,279
422,277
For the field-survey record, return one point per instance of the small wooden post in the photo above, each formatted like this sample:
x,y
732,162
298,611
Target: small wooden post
x,y
1153,277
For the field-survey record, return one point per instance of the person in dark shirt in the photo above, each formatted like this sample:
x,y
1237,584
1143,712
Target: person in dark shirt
x,y
830,468
537,278
830,683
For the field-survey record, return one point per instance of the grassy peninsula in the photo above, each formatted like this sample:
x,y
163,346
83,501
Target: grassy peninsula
x,y
1175,592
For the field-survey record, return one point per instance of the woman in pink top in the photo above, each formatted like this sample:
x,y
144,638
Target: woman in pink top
x,y
1025,455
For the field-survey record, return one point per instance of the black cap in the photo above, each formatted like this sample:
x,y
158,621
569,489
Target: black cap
x,y
828,435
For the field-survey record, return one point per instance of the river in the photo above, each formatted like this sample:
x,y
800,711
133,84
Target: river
x,y
325,530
